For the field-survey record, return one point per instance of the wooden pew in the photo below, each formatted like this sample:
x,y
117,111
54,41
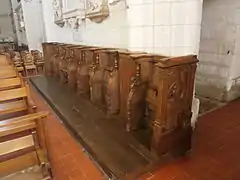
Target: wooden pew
x,y
22,144
22,139
8,73
16,100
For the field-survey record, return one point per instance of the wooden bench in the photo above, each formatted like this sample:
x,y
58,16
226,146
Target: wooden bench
x,y
22,144
11,73
16,100
11,83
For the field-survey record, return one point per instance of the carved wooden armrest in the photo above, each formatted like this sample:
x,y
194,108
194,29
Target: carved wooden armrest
x,y
176,61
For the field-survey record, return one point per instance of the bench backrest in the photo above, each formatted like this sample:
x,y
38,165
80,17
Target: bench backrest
x,y
10,83
8,74
11,94
13,100
22,143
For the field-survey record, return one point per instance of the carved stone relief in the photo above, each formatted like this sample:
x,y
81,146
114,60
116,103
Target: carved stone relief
x,y
57,7
97,10
20,19
66,14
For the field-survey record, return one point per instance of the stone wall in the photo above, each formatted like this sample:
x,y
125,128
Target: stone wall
x,y
21,35
34,24
6,27
219,68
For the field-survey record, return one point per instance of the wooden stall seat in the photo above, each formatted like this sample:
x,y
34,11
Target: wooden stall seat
x,y
86,70
77,64
66,59
104,80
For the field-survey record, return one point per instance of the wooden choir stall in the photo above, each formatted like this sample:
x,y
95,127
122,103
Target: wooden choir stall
x,y
128,109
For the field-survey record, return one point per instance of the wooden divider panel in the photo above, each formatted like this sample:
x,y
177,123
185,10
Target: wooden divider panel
x,y
170,98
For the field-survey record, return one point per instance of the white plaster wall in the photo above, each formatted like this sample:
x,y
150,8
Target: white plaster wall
x,y
170,27
32,12
6,27
219,68
111,32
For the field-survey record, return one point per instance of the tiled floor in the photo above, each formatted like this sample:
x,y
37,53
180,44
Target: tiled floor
x,y
68,160
32,173
207,105
215,155
216,147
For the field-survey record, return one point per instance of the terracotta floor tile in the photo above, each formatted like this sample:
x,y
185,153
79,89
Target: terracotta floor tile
x,y
216,145
215,156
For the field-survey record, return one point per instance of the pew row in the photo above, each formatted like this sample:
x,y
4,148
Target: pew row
x,y
22,139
